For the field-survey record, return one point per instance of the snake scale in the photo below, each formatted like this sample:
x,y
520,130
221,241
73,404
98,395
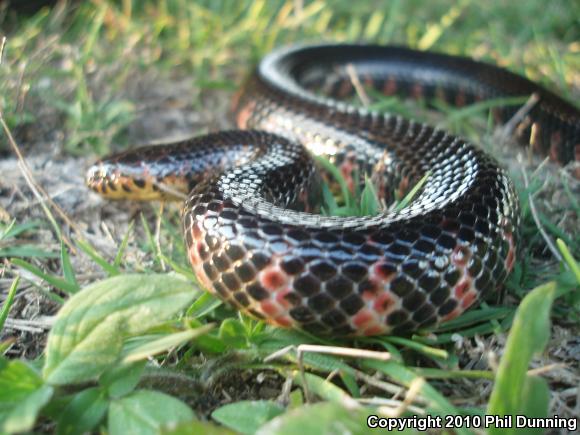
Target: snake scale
x,y
251,223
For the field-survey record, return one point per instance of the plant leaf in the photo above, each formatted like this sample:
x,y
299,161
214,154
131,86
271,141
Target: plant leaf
x,y
536,400
5,309
146,412
121,380
529,335
22,396
90,328
111,269
165,343
369,205
196,427
247,416
321,387
67,269
26,251
233,333
320,418
54,281
83,412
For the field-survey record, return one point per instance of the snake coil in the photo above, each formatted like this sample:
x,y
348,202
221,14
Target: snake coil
x,y
249,221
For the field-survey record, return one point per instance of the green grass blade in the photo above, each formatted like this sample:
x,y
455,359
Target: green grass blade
x,y
333,170
97,258
13,230
409,196
67,269
369,205
431,373
569,259
419,347
54,281
26,251
164,343
123,245
8,302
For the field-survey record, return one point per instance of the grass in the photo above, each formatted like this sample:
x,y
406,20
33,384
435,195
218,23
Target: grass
x,y
79,81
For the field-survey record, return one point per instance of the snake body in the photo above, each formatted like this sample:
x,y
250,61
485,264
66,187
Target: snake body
x,y
254,238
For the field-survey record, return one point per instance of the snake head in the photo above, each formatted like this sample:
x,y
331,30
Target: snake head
x,y
113,179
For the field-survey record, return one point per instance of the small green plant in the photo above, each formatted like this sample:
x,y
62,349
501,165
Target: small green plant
x,y
88,342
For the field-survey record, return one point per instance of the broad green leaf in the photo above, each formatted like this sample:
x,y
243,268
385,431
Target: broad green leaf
x,y
196,427
536,400
122,379
320,418
17,380
22,396
233,333
529,335
247,416
83,412
22,416
146,412
90,328
165,343
204,304
296,399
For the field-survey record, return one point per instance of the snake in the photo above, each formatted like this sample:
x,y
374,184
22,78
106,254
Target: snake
x,y
253,230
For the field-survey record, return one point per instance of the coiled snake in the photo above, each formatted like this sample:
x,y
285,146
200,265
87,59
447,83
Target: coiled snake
x,y
250,224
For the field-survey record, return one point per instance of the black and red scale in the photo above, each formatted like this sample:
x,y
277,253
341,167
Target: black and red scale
x,y
250,221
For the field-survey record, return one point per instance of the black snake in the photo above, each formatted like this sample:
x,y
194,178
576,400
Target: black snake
x,y
250,224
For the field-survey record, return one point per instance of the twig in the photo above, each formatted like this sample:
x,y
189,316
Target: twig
x,y
410,396
166,188
383,385
352,74
2,45
545,369
329,350
391,404
158,235
510,126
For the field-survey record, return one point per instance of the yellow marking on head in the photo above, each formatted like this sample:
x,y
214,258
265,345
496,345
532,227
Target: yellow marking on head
x,y
110,185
